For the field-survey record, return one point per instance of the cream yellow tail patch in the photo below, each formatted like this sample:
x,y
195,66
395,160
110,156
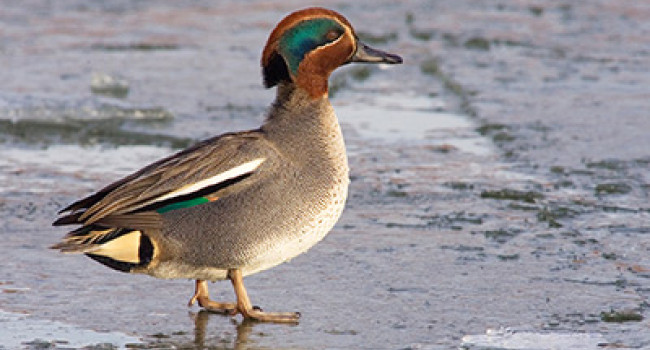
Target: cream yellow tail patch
x,y
124,248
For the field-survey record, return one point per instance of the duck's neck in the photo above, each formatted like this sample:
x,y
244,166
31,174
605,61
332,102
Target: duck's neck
x,y
298,120
295,109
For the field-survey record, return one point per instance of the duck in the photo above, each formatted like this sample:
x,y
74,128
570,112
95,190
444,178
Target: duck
x,y
241,202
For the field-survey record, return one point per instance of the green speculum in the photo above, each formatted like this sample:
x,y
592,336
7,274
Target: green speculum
x,y
183,204
305,37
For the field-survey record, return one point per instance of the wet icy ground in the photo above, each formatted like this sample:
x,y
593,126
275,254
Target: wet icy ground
x,y
499,194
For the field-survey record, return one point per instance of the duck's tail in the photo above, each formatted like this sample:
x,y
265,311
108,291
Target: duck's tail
x,y
122,249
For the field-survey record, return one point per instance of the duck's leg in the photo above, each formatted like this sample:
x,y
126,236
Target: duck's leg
x,y
249,312
203,297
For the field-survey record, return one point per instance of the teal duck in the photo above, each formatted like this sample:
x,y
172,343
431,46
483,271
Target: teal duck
x,y
242,202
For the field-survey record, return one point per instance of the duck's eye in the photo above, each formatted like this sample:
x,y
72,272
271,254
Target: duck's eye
x,y
332,35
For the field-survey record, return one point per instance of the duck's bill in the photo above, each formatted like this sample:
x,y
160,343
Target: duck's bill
x,y
367,54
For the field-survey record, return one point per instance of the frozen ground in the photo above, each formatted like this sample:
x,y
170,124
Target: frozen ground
x,y
500,177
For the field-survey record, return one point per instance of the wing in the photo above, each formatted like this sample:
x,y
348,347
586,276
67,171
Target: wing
x,y
190,177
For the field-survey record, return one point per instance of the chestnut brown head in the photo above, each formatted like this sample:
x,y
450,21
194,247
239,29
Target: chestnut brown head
x,y
308,45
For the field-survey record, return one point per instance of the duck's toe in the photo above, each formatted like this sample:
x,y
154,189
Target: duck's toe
x,y
220,308
274,317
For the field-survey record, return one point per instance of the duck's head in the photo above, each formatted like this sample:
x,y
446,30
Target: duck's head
x,y
308,45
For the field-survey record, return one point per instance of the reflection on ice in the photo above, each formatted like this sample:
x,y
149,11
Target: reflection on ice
x,y
513,339
17,330
48,170
410,118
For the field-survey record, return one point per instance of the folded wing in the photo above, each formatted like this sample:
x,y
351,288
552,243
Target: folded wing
x,y
191,177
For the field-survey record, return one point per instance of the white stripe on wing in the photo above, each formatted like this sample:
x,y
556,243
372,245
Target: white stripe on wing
x,y
239,170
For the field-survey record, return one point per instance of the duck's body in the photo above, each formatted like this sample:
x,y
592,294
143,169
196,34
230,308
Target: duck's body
x,y
307,189
241,202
